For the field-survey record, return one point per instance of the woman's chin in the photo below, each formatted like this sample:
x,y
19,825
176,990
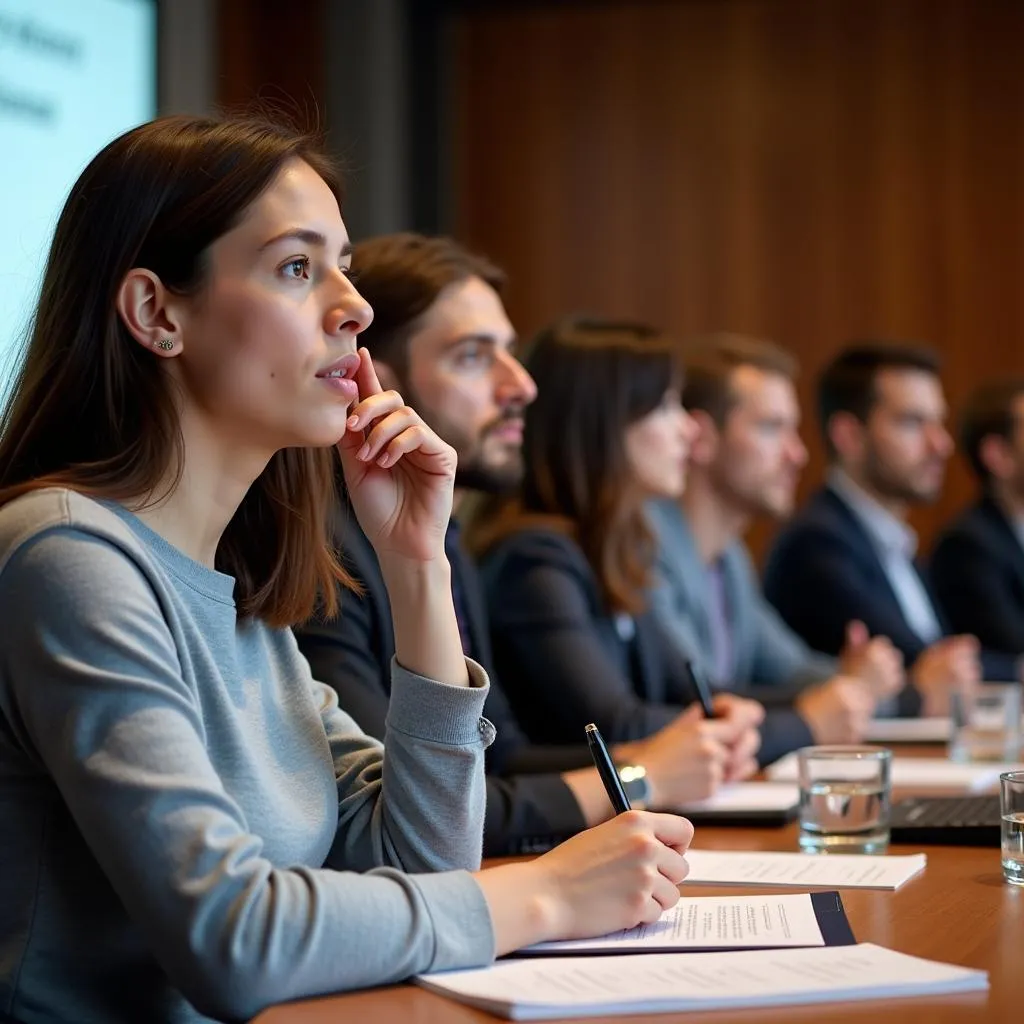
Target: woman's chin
x,y
670,487
328,429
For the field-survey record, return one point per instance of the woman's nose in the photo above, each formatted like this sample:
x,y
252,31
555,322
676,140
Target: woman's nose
x,y
351,312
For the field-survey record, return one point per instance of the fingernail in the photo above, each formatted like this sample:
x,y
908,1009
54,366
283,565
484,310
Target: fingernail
x,y
363,452
353,422
384,459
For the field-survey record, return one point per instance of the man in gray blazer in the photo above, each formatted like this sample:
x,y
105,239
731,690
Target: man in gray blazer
x,y
746,462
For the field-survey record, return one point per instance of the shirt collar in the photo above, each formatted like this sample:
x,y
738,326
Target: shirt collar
x,y
887,532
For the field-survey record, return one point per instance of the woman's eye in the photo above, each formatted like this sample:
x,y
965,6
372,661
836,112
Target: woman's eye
x,y
472,355
297,269
351,273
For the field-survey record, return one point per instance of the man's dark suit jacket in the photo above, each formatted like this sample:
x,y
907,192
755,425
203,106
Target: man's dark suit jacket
x,y
566,661
977,569
823,572
529,807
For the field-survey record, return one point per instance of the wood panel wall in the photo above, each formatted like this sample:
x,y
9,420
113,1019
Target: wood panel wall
x,y
273,52
807,170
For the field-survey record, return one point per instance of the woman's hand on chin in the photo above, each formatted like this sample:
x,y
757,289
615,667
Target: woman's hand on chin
x,y
400,475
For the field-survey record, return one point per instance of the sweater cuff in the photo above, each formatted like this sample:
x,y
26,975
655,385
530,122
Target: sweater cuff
x,y
440,712
463,931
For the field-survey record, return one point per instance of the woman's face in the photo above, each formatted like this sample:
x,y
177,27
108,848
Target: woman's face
x,y
276,315
657,447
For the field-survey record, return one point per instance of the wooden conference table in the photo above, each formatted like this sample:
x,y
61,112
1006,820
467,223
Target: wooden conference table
x,y
959,910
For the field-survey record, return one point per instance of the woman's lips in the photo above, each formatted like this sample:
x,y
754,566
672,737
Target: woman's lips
x,y
344,387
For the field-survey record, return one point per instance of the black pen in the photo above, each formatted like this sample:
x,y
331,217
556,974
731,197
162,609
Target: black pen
x,y
605,768
701,688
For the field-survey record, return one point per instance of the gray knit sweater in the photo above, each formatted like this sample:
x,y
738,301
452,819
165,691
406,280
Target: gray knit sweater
x,y
183,810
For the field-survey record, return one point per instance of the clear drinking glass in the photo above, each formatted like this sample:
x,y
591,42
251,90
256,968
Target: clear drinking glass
x,y
1011,807
845,796
985,723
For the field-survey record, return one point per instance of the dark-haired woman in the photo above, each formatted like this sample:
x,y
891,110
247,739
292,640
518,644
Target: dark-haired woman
x,y
190,823
567,563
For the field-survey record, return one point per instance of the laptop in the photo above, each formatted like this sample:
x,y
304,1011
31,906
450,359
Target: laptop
x,y
946,821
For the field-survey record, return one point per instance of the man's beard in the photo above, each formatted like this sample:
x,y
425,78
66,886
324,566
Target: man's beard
x,y
751,500
489,479
890,484
474,473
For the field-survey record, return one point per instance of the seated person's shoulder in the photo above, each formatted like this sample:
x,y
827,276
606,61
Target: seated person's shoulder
x,y
533,547
665,516
67,520
65,557
822,520
976,530
44,509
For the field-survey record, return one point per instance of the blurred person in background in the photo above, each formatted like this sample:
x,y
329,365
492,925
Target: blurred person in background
x,y
977,567
745,462
850,553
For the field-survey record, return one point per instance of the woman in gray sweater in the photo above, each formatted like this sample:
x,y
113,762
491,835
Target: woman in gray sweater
x,y
192,826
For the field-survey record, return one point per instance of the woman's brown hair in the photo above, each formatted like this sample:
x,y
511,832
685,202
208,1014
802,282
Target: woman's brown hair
x,y
595,378
93,411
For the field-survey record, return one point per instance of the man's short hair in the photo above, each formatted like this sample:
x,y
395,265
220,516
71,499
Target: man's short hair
x,y
401,276
710,361
989,411
847,384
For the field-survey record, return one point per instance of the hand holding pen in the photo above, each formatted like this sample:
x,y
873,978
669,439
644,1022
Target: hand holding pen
x,y
619,874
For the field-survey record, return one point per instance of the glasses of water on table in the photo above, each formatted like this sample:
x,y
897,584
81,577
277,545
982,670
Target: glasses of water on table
x,y
845,796
985,723
1011,807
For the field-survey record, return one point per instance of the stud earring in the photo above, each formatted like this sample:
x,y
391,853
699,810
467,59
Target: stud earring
x,y
167,344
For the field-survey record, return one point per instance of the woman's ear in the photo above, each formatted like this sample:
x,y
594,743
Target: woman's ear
x,y
143,308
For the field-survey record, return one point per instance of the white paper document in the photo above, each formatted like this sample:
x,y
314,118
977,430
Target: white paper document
x,y
709,922
665,982
913,730
836,871
915,773
748,797
909,730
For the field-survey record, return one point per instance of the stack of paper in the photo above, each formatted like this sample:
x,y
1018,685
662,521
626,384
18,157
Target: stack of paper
x,y
915,773
666,982
837,870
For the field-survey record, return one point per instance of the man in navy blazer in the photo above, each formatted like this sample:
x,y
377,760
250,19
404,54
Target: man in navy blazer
x,y
977,567
849,553
745,462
